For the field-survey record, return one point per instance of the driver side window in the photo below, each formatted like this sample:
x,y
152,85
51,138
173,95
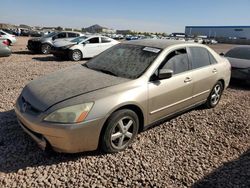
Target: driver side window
x,y
177,61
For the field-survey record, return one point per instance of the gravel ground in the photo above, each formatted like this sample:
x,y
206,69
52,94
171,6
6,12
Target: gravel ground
x,y
200,148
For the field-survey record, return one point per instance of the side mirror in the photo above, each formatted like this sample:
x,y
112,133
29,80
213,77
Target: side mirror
x,y
222,54
165,73
85,42
54,38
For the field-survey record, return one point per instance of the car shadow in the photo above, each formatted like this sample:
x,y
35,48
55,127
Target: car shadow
x,y
19,151
239,85
48,58
235,173
24,52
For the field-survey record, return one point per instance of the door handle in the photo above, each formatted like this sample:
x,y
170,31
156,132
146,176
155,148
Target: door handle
x,y
187,80
214,70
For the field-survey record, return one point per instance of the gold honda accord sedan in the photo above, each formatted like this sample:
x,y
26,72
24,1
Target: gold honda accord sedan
x,y
105,102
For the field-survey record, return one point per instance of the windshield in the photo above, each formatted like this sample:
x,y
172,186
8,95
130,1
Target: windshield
x,y
50,35
239,52
79,39
124,60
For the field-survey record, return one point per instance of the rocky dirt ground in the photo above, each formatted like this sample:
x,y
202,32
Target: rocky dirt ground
x,y
200,148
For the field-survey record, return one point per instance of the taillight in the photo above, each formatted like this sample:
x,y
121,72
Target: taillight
x,y
5,42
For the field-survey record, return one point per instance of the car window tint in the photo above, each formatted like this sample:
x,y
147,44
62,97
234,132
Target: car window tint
x,y
239,52
72,35
61,35
105,40
1,33
94,40
200,57
177,61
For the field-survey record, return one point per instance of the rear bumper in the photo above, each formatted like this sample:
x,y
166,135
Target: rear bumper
x,y
5,52
59,52
71,138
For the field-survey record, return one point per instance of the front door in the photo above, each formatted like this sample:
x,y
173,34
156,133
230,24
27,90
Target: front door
x,y
173,94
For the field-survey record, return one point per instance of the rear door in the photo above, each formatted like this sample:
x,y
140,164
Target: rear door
x,y
105,44
204,72
72,35
171,95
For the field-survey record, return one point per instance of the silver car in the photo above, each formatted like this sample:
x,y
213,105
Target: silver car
x,y
105,102
7,36
44,44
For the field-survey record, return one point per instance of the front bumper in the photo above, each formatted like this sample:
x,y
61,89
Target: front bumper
x,y
59,52
34,45
71,138
241,74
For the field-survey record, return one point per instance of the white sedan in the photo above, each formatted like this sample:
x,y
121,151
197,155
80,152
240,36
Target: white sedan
x,y
82,47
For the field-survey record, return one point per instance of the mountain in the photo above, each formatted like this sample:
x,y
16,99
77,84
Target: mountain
x,y
94,28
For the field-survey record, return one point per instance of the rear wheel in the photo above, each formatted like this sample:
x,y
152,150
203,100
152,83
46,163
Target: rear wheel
x,y
75,55
122,128
215,95
45,48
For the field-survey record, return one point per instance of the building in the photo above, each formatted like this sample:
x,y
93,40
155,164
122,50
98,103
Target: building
x,y
231,32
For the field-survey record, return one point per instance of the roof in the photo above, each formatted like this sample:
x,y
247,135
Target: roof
x,y
156,43
217,26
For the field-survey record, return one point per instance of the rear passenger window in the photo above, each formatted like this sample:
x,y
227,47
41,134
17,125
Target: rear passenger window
x,y
177,61
105,40
94,40
73,35
212,59
200,57
61,35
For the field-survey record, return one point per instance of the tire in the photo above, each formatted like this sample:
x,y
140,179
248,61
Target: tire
x,y
123,126
75,55
45,48
215,95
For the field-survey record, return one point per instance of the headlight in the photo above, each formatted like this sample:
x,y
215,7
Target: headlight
x,y
71,114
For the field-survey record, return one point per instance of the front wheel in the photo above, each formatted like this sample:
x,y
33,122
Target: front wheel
x,y
45,48
122,128
75,55
215,95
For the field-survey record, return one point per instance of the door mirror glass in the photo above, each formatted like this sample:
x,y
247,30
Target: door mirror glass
x,y
165,73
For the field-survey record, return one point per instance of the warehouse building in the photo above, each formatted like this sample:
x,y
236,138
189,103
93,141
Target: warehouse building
x,y
230,32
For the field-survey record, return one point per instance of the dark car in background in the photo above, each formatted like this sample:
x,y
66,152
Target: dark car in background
x,y
239,59
44,44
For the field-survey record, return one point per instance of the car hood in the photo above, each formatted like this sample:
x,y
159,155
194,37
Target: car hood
x,y
59,86
239,63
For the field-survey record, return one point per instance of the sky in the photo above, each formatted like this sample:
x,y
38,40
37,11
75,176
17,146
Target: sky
x,y
141,15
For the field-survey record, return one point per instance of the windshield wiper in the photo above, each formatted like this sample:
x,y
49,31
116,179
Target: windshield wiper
x,y
105,71
100,70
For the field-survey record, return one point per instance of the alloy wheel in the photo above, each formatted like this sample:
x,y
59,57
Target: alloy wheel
x,y
122,132
216,94
76,55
